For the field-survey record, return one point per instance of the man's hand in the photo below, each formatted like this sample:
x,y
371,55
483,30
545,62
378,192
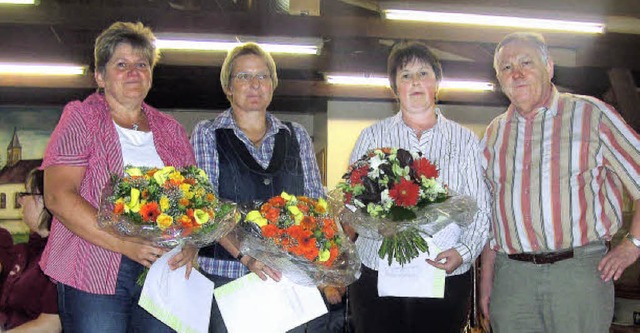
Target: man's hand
x,y
452,260
615,262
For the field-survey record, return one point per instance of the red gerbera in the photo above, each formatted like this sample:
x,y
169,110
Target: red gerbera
x,y
423,167
357,174
405,193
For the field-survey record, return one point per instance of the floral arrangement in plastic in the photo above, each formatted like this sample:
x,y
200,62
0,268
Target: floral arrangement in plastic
x,y
167,206
297,236
394,194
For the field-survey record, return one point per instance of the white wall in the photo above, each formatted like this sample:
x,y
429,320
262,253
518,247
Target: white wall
x,y
345,121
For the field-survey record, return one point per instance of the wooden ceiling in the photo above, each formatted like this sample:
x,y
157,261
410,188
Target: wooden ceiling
x,y
355,39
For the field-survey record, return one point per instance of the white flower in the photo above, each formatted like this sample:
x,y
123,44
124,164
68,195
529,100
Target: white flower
x,y
374,163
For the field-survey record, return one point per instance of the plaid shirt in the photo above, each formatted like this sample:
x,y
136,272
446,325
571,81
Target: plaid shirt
x,y
203,140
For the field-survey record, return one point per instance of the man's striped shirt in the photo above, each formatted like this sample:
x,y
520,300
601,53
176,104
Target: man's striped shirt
x,y
556,174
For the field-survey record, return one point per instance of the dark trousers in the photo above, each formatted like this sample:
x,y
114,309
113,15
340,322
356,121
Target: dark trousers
x,y
85,312
371,313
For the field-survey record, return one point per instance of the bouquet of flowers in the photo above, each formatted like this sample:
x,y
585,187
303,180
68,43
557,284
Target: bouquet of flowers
x,y
167,206
297,235
394,194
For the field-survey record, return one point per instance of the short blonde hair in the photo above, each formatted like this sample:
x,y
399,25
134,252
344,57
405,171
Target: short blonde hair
x,y
135,34
245,49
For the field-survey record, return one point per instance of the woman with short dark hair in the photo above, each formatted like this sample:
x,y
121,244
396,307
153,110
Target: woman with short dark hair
x,y
415,75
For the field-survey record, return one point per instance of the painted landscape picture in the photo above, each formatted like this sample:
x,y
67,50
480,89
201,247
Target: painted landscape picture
x,y
25,132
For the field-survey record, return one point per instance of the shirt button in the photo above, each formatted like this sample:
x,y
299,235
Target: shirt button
x,y
267,181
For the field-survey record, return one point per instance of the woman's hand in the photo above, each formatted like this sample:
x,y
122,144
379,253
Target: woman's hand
x,y
260,268
184,257
333,294
142,252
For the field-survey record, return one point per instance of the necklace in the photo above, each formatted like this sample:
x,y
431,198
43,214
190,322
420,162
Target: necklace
x,y
256,142
135,126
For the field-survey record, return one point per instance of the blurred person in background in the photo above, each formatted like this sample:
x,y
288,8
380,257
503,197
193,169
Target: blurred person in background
x,y
28,298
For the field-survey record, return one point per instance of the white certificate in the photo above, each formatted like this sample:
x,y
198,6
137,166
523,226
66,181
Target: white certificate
x,y
249,304
415,279
184,305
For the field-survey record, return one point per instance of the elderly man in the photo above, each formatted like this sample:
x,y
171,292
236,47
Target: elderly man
x,y
556,164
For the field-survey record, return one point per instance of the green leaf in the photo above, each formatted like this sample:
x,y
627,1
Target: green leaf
x,y
398,213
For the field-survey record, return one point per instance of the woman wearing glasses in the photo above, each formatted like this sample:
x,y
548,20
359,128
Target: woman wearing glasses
x,y
28,299
249,154
415,74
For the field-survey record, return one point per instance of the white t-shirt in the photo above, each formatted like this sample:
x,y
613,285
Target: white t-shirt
x,y
138,148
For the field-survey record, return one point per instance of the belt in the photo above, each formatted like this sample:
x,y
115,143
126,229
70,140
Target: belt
x,y
542,258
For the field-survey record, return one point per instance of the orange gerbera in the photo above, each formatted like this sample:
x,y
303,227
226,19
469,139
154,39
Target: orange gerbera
x,y
333,255
272,214
304,208
270,230
328,228
185,221
150,211
277,201
184,202
308,222
118,208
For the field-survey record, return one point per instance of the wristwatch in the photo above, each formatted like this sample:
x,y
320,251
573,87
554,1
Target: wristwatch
x,y
635,241
240,254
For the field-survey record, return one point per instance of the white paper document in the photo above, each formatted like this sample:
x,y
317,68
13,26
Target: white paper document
x,y
415,279
184,305
249,304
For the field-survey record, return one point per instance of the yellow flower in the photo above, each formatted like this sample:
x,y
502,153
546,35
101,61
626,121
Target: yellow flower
x,y
286,196
324,255
184,187
176,176
134,172
164,221
164,204
203,174
134,204
161,175
201,216
297,214
322,204
255,217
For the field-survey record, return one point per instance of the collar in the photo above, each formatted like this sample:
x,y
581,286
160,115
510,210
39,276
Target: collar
x,y
396,121
225,120
550,105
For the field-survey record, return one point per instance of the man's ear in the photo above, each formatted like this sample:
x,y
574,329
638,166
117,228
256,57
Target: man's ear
x,y
550,68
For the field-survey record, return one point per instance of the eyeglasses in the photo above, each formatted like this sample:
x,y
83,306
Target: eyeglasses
x,y
24,194
248,77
